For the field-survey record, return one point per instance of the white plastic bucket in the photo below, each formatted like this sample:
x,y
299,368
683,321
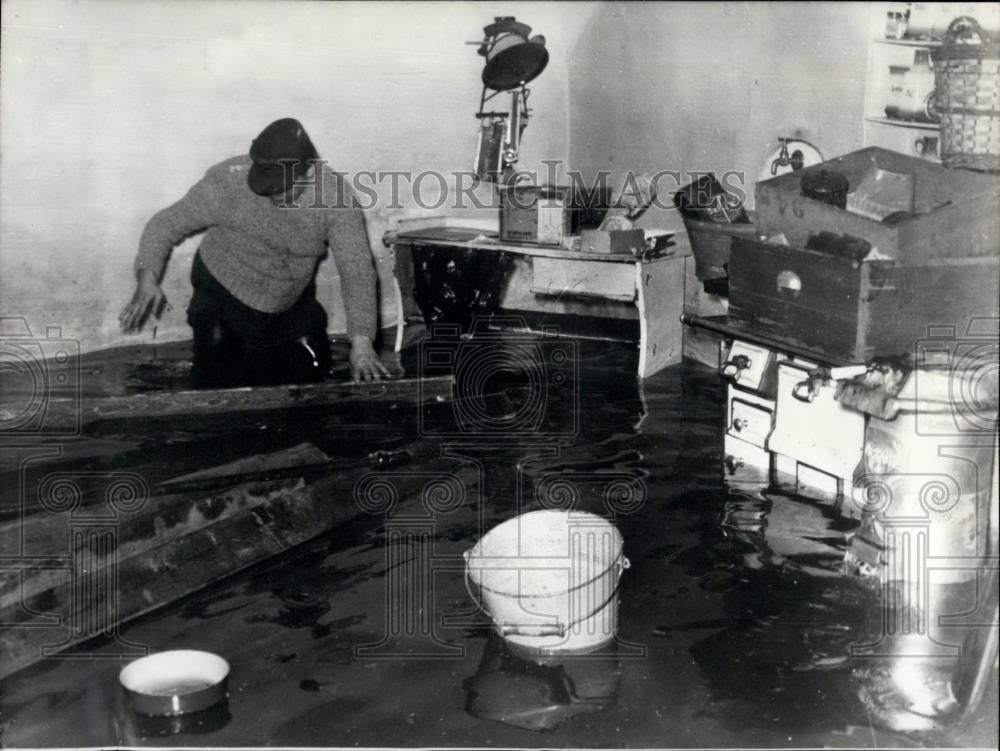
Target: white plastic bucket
x,y
549,580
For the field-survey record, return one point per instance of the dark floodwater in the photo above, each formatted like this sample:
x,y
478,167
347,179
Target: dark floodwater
x,y
735,623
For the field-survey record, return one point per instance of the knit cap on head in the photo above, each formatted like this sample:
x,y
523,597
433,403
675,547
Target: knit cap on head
x,y
280,154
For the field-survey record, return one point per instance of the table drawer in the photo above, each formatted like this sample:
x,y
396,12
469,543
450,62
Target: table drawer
x,y
749,422
564,276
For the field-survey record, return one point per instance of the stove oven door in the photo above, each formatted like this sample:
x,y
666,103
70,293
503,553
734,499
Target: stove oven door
x,y
815,437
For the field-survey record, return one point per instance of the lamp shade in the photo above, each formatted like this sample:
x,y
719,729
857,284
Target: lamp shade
x,y
513,61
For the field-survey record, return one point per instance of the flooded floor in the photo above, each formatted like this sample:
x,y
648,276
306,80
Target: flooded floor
x,y
734,621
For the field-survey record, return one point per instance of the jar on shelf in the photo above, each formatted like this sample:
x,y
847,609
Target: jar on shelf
x,y
897,20
897,79
917,101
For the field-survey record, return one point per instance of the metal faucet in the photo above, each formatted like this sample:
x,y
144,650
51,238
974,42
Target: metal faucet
x,y
796,159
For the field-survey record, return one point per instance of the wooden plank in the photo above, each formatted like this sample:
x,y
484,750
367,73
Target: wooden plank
x,y
524,250
904,302
853,312
518,297
188,504
821,314
301,455
162,521
71,411
284,516
444,227
564,276
660,286
172,545
802,326
827,282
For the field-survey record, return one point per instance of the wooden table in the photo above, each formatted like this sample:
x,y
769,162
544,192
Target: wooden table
x,y
654,285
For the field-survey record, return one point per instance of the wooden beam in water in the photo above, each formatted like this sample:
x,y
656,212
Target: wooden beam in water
x,y
181,543
67,412
192,531
162,520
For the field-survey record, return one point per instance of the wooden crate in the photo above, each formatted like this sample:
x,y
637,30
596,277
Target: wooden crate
x,y
957,212
852,311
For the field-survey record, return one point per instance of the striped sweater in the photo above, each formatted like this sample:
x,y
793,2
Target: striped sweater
x,y
266,255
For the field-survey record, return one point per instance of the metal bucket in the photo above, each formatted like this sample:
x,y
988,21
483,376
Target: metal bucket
x,y
549,580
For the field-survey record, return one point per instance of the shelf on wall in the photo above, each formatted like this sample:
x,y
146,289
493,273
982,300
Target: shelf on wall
x,y
910,42
903,136
914,124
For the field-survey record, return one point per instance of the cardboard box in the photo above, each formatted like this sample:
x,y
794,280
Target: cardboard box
x,y
534,214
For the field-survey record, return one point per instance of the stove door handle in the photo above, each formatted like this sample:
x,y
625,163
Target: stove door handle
x,y
805,391
730,370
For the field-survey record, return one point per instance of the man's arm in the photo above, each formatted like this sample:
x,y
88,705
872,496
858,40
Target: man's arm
x,y
193,213
348,240
166,229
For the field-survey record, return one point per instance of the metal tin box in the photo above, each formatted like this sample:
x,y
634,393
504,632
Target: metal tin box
x,y
534,214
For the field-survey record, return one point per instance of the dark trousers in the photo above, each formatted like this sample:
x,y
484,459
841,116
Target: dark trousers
x,y
235,345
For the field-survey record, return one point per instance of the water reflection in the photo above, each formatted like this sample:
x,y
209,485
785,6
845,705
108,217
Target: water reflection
x,y
783,652
197,723
134,727
541,695
787,531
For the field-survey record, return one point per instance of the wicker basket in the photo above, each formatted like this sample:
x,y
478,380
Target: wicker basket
x,y
710,244
967,79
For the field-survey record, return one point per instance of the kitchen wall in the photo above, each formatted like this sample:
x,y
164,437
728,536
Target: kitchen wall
x,y
711,86
112,109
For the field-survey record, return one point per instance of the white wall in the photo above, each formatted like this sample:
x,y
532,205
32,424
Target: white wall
x,y
112,109
711,86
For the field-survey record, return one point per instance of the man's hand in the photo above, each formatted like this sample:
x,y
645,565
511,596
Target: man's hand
x,y
365,365
148,297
